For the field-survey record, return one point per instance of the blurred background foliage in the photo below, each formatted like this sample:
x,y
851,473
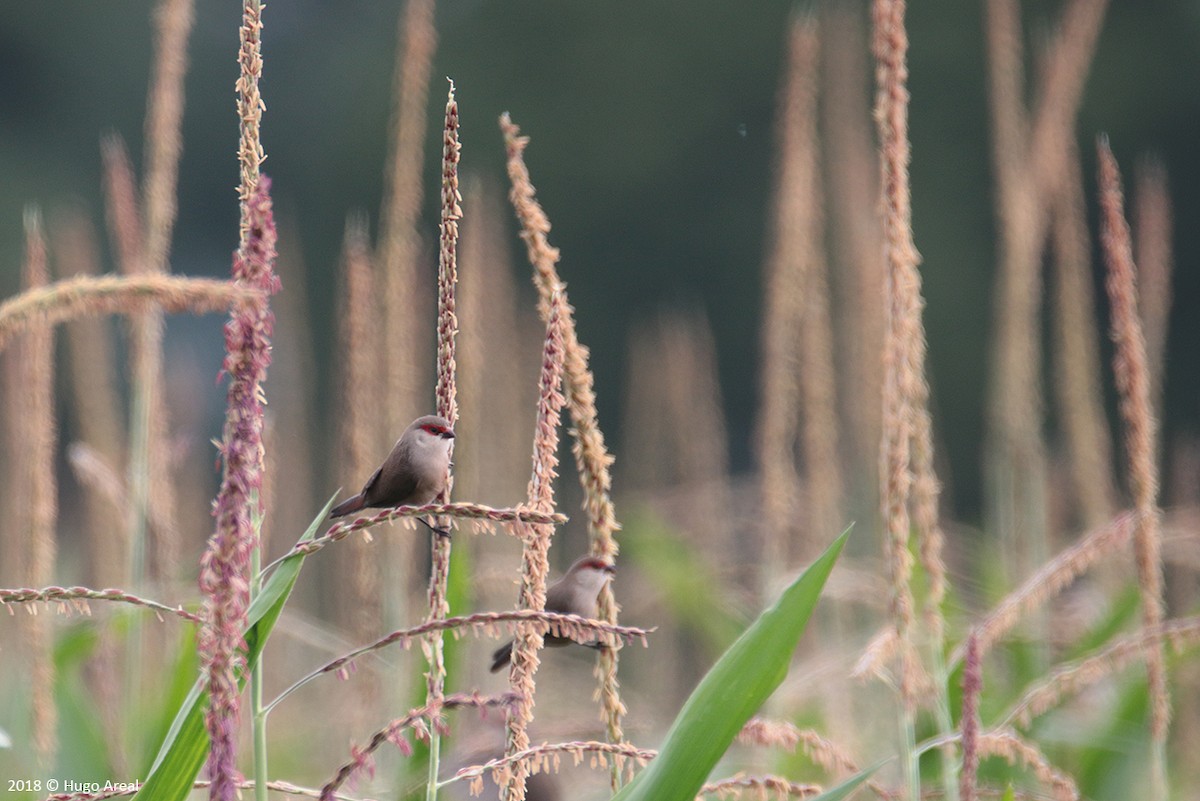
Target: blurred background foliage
x,y
655,154
653,142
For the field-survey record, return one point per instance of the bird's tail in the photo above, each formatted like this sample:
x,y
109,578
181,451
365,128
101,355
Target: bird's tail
x,y
502,656
347,506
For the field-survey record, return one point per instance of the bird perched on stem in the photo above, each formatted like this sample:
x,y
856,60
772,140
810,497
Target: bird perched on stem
x,y
414,473
576,593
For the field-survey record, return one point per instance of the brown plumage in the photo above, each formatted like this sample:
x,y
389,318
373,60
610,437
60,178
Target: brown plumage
x,y
576,593
413,474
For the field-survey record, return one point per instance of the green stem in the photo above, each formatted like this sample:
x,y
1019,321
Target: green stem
x,y
256,676
912,758
435,741
945,725
139,505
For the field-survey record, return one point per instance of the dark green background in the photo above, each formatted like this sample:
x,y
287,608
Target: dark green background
x,y
652,128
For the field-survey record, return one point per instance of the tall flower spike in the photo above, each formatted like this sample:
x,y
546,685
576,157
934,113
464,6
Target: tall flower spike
x,y
447,407
40,440
592,458
225,566
972,684
795,220
904,310
364,607
535,556
402,349
1141,433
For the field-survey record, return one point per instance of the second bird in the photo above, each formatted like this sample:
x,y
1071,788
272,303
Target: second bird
x,y
413,474
576,593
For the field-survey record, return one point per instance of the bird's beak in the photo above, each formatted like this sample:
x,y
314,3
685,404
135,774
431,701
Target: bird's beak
x,y
447,434
610,570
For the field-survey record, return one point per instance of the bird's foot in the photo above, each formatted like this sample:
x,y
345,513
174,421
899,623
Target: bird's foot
x,y
441,532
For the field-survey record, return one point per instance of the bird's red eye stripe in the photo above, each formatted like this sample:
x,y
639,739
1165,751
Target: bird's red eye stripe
x,y
432,428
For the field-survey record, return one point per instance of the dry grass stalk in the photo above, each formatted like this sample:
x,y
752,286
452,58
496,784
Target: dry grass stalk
x,y
685,365
592,459
1051,579
1141,436
121,205
96,403
480,624
1029,169
404,296
783,295
535,554
830,756
76,298
149,469
97,475
1006,89
1153,224
250,108
399,247
447,407
1008,745
75,599
151,483
164,140
354,432
762,787
795,333
547,758
1077,371
853,187
39,442
1017,457
12,549
355,428
819,435
484,518
904,331
1067,60
362,758
1070,679
98,414
926,490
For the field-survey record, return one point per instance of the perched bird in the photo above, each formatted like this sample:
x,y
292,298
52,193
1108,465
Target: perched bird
x,y
413,474
576,593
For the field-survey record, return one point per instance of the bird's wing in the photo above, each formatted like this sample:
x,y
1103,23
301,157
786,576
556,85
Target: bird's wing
x,y
558,598
396,489
371,482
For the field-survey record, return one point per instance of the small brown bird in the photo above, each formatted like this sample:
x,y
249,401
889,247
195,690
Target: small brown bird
x,y
576,593
413,474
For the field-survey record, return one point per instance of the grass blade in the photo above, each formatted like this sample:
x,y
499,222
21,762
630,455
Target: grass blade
x,y
186,744
733,690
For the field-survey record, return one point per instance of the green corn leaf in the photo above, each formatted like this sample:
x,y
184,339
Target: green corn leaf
x,y
186,745
846,788
733,690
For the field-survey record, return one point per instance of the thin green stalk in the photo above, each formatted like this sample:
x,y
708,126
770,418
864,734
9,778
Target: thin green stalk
x,y
257,710
139,505
912,759
945,723
435,743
